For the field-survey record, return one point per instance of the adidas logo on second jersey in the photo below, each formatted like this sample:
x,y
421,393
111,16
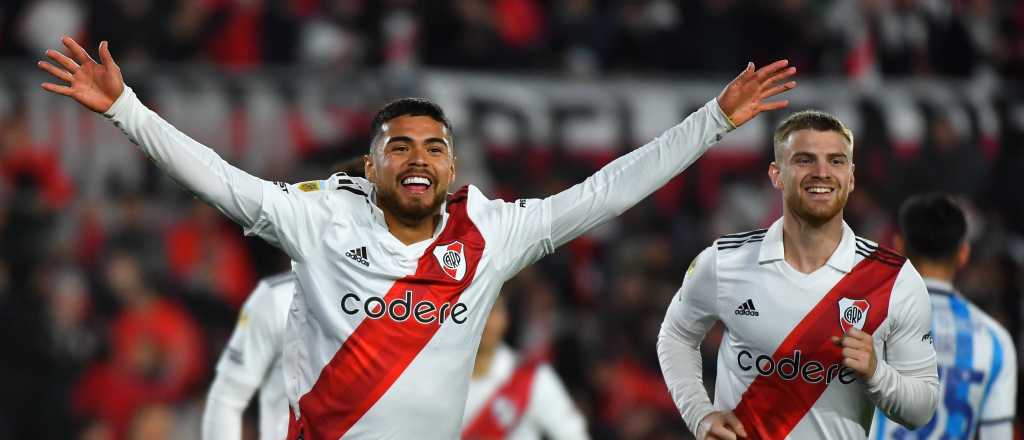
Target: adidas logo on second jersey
x,y
358,254
747,309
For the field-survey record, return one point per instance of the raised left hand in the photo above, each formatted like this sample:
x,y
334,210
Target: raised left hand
x,y
858,352
744,97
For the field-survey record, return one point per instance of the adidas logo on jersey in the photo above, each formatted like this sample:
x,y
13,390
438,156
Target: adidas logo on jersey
x,y
747,309
358,254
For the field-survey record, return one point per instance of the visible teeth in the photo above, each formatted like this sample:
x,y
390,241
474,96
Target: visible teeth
x,y
416,180
819,190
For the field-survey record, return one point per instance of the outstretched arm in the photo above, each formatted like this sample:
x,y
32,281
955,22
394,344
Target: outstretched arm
x,y
632,177
252,202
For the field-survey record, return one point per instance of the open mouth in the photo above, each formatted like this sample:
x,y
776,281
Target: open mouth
x,y
416,184
817,191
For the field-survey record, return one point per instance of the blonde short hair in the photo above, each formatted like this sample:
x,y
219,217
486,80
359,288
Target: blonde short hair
x,y
808,120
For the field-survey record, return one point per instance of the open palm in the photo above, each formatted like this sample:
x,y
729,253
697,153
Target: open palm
x,y
746,95
94,85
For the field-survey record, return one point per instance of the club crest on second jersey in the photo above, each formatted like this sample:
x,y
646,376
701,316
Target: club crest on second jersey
x,y
452,259
853,313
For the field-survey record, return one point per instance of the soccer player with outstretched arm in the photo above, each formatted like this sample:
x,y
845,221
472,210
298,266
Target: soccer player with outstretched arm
x,y
976,357
395,275
821,326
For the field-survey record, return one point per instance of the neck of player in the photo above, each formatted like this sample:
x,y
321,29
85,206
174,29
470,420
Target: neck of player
x,y
808,246
410,231
942,271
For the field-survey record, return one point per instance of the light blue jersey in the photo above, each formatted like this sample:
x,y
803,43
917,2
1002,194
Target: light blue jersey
x,y
977,371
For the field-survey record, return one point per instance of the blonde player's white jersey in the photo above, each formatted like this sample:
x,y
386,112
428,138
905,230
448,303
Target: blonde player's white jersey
x,y
381,336
548,413
778,369
978,371
252,356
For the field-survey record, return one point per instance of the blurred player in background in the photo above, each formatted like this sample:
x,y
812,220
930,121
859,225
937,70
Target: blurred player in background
x,y
516,397
976,358
806,306
395,275
251,361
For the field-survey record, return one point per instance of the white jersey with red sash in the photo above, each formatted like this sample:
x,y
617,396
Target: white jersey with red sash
x,y
381,335
520,399
777,367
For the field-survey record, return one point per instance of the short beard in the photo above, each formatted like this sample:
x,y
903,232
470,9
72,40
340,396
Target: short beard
x,y
409,215
814,217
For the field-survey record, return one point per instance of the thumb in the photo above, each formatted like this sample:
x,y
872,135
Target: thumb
x,y
749,70
105,56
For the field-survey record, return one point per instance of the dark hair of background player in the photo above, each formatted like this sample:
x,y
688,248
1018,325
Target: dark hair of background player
x,y
933,226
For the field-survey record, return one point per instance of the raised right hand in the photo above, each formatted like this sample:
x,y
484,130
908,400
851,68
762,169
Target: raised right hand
x,y
94,85
721,425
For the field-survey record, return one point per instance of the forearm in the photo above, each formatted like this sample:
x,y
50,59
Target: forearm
x,y
194,166
222,417
680,360
632,177
907,397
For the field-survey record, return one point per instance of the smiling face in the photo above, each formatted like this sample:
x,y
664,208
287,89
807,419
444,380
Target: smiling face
x,y
412,166
814,171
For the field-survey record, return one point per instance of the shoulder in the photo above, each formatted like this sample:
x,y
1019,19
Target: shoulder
x,y
992,325
737,250
340,184
874,251
272,294
739,240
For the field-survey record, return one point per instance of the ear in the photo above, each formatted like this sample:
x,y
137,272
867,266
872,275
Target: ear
x,y
368,168
451,179
963,255
899,243
774,174
853,176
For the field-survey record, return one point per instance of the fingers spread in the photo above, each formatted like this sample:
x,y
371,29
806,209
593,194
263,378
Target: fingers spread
x,y
63,60
781,76
60,90
53,70
77,51
774,105
778,89
769,70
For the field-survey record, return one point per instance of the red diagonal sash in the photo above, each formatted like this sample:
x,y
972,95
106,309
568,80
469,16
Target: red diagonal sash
x,y
379,350
771,406
501,413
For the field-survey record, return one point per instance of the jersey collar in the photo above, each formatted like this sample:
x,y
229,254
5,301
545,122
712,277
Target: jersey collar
x,y
772,249
934,284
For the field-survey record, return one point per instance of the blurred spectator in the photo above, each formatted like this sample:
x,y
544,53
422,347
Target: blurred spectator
x,y
207,255
157,353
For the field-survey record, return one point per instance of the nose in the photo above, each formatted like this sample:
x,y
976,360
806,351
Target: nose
x,y
821,169
418,156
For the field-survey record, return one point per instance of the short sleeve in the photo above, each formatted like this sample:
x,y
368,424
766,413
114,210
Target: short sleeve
x,y
908,345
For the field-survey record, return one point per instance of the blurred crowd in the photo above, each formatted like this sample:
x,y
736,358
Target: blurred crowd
x,y
116,303
579,37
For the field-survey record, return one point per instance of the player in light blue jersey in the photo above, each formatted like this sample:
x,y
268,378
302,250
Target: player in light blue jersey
x,y
976,358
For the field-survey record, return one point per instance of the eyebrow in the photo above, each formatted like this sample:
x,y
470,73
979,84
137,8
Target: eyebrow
x,y
427,141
